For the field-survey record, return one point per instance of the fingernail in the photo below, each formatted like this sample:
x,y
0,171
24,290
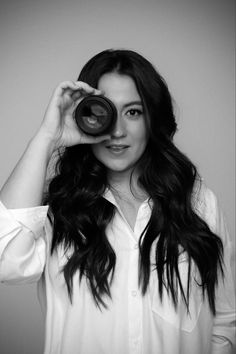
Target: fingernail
x,y
101,92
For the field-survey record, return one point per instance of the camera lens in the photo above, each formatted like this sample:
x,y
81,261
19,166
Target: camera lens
x,y
95,115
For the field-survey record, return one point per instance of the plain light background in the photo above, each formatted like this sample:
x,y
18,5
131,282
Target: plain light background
x,y
191,43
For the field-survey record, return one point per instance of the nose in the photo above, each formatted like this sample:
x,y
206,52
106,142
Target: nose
x,y
119,130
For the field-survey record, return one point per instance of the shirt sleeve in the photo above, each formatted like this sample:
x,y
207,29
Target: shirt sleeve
x,y
223,335
22,244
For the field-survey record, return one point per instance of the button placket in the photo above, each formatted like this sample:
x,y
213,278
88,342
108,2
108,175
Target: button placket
x,y
135,304
135,296
143,215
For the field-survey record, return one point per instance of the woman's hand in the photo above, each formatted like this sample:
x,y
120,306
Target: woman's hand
x,y
58,124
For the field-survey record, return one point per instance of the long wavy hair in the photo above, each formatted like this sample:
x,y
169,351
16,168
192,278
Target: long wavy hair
x,y
81,214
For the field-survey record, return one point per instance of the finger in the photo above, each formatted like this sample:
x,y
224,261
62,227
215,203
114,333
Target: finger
x,y
79,87
68,85
77,96
86,88
74,86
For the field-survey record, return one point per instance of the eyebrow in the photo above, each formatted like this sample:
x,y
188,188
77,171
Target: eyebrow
x,y
132,103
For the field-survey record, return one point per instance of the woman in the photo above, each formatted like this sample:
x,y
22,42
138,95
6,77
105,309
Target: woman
x,y
133,253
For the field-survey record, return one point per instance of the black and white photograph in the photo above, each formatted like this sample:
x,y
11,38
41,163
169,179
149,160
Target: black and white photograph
x,y
117,179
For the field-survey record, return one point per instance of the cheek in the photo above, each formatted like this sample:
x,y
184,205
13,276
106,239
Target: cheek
x,y
94,149
140,135
97,150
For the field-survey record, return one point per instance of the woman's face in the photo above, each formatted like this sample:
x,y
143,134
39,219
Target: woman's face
x,y
129,136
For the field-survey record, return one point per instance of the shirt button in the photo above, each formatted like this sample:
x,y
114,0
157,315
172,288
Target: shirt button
x,y
134,293
136,246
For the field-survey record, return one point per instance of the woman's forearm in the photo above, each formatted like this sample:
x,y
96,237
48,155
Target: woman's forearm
x,y
24,187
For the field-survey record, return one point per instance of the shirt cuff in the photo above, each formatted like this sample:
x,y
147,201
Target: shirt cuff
x,y
32,218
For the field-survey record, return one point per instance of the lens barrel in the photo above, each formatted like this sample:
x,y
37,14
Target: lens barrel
x,y
95,115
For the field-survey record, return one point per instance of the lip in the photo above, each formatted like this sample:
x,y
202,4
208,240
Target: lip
x,y
117,148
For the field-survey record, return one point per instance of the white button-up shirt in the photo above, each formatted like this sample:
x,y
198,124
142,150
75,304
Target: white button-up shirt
x,y
133,323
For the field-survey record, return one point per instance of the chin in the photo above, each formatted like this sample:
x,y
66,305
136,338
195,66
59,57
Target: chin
x,y
117,168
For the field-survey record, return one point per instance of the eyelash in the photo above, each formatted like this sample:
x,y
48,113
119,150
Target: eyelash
x,y
137,111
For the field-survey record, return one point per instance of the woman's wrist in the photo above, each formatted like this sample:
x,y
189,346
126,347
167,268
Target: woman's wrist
x,y
44,144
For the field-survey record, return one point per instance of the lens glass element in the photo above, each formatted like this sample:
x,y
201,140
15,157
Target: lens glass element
x,y
95,115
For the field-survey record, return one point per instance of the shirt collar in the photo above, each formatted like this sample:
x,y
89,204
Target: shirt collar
x,y
109,196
